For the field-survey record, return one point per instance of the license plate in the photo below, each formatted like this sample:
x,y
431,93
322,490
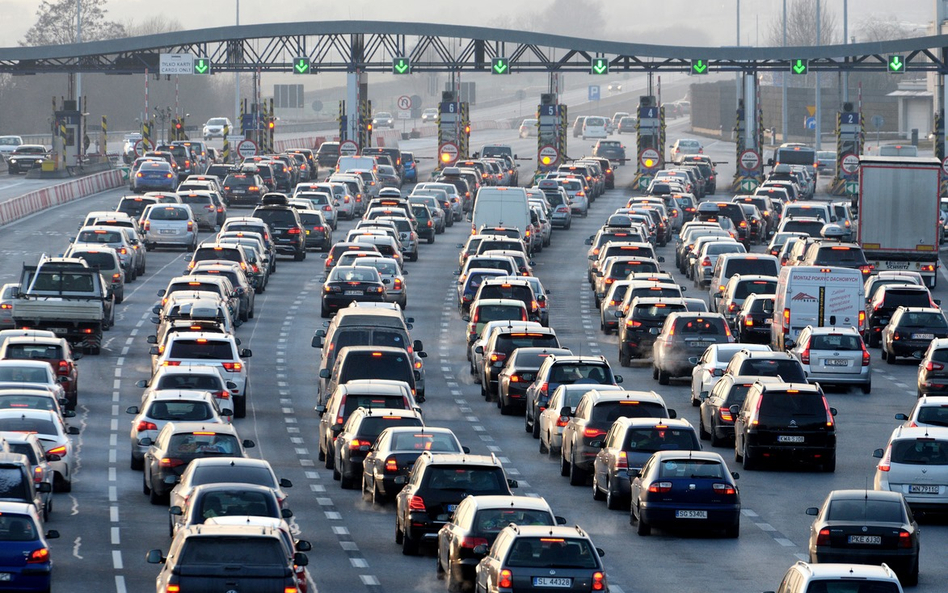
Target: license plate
x,y
57,330
239,191
789,439
691,514
923,489
897,265
865,539
5,576
353,293
836,362
527,376
167,232
699,342
923,336
768,321
552,582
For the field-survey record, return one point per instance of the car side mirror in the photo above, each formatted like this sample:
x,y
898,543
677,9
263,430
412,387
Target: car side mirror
x,y
813,511
480,550
901,417
418,346
618,379
69,413
693,360
300,559
661,259
878,453
154,351
417,375
230,385
601,552
479,350
734,410
833,411
154,557
44,487
246,353
152,339
52,534
286,513
672,413
285,483
248,444
597,444
918,355
53,457
634,473
324,373
303,545
72,430
156,310
566,412
422,354
466,449
146,442
619,314
156,320
789,343
320,410
654,331
559,520
227,412
175,510
512,483
465,317
736,475
588,241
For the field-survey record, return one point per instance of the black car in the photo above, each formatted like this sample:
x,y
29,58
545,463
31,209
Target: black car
x,y
351,283
767,364
752,323
518,374
438,483
642,323
911,330
564,370
426,226
359,433
886,301
716,422
933,369
394,453
327,154
318,233
866,527
25,157
243,189
284,222
712,210
610,149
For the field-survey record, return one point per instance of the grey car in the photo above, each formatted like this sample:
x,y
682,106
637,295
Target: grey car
x,y
834,356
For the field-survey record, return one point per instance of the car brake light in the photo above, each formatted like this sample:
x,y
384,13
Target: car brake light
x,y
506,579
593,432
706,262
61,450
497,356
294,231
145,425
472,542
725,415
660,487
933,366
725,489
416,503
805,355
748,322
829,415
622,461
358,444
171,462
233,367
598,584
905,539
39,555
391,465
823,539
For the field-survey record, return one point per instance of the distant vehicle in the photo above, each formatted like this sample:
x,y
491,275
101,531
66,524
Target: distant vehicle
x,y
9,143
615,87
528,127
383,119
214,128
430,114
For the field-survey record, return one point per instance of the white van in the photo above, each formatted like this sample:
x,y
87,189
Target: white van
x,y
595,127
817,296
352,163
501,206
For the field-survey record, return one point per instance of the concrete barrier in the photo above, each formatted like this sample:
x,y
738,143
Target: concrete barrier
x,y
61,193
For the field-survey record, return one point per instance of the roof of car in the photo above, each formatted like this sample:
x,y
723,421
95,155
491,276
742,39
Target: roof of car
x,y
177,394
501,501
460,458
702,455
375,387
652,422
181,427
835,571
623,394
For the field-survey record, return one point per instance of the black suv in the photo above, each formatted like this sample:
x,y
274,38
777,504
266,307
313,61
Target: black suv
x,y
886,301
357,436
834,253
437,483
563,370
789,420
284,221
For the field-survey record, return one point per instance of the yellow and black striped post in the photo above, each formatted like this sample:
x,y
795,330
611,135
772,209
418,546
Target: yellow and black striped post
x,y
104,140
225,152
342,121
563,136
243,111
271,134
464,137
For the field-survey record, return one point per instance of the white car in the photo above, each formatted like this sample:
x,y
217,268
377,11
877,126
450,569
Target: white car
x,y
915,463
200,377
52,431
929,410
31,371
214,128
710,367
9,143
595,127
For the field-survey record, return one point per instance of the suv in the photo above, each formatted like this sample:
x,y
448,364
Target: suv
x,y
642,322
249,558
910,330
541,558
785,419
284,222
591,419
563,370
16,481
886,301
915,463
834,253
683,338
767,364
370,362
738,288
438,482
729,265
933,369
804,577
501,343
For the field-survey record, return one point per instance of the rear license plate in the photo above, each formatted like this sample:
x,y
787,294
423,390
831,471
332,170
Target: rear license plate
x,y
699,342
835,362
768,321
789,439
167,232
57,330
527,376
239,191
552,582
353,293
923,489
897,265
865,539
6,576
691,514
923,336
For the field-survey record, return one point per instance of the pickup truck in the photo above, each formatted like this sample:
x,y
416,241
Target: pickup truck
x,y
66,297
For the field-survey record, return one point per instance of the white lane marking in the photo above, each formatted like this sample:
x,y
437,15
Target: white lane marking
x,y
117,559
116,536
75,547
369,580
120,584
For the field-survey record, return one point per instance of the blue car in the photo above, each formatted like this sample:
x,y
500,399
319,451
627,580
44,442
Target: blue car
x,y
155,176
25,563
410,167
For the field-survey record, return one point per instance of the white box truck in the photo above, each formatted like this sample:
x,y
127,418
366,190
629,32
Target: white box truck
x,y
898,214
501,206
817,296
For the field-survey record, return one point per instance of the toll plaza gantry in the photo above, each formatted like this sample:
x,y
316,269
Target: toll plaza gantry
x,y
362,47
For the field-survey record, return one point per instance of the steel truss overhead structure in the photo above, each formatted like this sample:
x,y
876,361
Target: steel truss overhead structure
x,y
370,46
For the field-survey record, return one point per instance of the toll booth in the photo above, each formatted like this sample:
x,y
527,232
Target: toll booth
x,y
67,135
850,140
550,146
650,141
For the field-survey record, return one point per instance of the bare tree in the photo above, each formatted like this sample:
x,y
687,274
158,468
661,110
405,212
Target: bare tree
x,y
151,26
801,25
55,23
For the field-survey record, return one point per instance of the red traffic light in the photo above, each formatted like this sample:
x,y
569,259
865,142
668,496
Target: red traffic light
x,y
368,127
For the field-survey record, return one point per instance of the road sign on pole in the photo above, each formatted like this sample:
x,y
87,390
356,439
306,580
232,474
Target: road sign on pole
x,y
809,123
246,148
748,185
749,160
944,166
348,148
448,153
404,102
852,187
594,92
849,163
548,155
649,158
176,64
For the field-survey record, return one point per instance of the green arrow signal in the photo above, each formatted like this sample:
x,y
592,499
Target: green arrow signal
x,y
800,67
401,65
699,67
896,64
600,66
500,66
301,65
201,66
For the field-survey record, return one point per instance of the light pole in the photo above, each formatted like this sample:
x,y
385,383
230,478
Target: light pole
x,y
783,115
237,80
819,40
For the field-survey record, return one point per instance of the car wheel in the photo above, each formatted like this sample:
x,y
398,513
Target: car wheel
x,y
702,431
299,255
535,429
577,477
156,499
732,531
346,483
655,372
145,488
867,389
663,377
431,239
336,476
889,357
829,466
643,528
564,465
240,406
409,545
136,464
624,359
613,500
330,459
597,493
526,425
750,462
398,533
544,449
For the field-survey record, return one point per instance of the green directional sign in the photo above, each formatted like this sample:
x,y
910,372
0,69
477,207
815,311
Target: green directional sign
x,y
499,66
896,65
748,185
202,66
301,65
852,187
699,67
599,66
401,65
800,67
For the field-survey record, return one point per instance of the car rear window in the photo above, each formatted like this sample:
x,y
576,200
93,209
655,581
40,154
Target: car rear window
x,y
509,342
224,253
745,289
392,402
102,261
700,327
424,441
12,485
203,443
180,411
907,298
923,451
24,449
607,412
840,255
215,474
203,349
622,269
810,227
168,213
656,312
467,478
276,217
254,551
551,552
660,438
789,370
759,267
932,320
372,426
99,237
200,382
863,510
835,342
494,520
364,365
780,407
40,351
487,313
690,468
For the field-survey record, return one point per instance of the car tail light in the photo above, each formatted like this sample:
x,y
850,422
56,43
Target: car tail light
x,y
725,489
562,421
39,555
933,366
221,394
823,539
829,415
786,320
622,461
61,450
145,425
862,319
171,462
391,465
172,588
171,363
593,432
63,367
748,322
866,269
660,487
805,355
885,463
357,444
37,475
146,226
294,231
472,542
706,262
725,415
497,356
896,336
506,579
905,539
717,372
232,367
633,323
416,503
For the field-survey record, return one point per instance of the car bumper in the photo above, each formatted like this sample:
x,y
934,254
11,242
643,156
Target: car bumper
x,y
907,347
334,303
31,578
719,516
861,378
901,561
422,528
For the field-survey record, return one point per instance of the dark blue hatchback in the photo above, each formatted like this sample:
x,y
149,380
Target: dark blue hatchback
x,y
25,563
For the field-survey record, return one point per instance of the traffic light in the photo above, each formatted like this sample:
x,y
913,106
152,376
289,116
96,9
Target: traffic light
x,y
271,123
202,66
896,65
401,65
800,67
446,158
499,66
368,127
699,67
178,130
467,129
599,66
301,65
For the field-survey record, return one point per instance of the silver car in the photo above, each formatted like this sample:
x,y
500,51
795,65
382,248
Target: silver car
x,y
203,206
552,424
169,225
834,356
396,290
915,463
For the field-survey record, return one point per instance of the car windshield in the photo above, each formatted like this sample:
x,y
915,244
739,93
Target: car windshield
x,y
215,474
551,552
38,351
372,426
745,289
494,520
396,367
467,478
576,372
99,236
866,510
835,342
425,441
763,267
922,451
22,401
659,438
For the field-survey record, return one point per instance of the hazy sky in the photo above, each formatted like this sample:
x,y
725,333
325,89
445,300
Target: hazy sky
x,y
684,22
